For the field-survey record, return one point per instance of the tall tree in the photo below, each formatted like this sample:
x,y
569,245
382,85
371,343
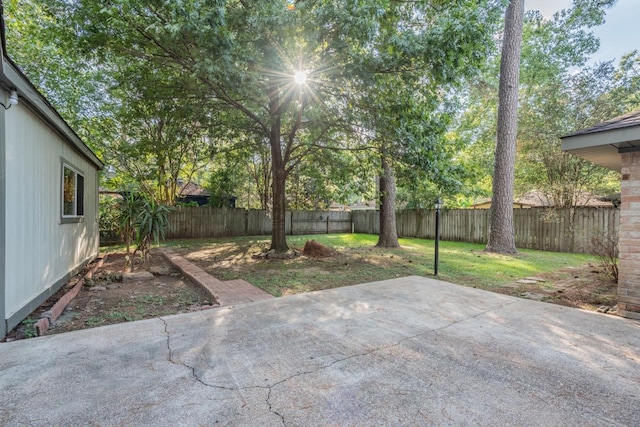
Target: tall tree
x,y
388,237
501,236
246,56
553,100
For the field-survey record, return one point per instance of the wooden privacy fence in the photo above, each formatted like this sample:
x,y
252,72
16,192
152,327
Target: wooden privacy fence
x,y
194,222
558,230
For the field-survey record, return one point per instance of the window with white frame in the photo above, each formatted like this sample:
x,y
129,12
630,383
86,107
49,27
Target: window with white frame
x,y
72,192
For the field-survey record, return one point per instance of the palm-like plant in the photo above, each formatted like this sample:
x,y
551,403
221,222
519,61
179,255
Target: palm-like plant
x,y
129,207
142,221
151,223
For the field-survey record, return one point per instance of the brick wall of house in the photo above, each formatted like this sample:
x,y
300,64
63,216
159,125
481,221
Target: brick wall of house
x,y
629,267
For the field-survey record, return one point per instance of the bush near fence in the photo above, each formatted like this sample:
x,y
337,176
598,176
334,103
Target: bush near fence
x,y
558,230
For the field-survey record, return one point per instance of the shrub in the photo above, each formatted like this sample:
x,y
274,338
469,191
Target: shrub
x,y
141,221
151,223
605,247
109,220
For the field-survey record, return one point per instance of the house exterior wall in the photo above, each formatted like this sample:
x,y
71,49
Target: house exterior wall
x,y
41,251
629,240
3,324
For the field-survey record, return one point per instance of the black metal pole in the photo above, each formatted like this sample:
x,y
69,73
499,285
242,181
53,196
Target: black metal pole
x,y
435,263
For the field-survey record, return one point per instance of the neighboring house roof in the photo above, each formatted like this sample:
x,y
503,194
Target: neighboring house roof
x,y
487,205
536,199
517,203
359,206
11,77
188,188
603,143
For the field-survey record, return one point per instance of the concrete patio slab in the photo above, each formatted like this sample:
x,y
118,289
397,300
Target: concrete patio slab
x,y
410,351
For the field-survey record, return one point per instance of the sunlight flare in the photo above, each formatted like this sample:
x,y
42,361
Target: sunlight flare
x,y
300,77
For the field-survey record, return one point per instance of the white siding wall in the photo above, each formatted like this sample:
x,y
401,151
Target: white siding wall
x,y
39,249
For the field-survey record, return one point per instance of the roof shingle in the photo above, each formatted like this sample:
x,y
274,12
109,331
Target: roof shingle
x,y
625,121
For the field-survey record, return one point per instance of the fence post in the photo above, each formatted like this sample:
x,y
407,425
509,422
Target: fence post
x,y
529,224
291,221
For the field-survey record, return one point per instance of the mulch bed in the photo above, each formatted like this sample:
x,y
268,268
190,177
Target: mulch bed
x,y
108,299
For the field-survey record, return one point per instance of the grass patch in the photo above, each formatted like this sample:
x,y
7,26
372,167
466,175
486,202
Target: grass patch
x,y
94,321
30,328
358,261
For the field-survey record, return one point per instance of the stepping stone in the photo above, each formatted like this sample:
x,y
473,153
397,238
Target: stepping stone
x,y
527,281
137,275
534,296
537,279
160,271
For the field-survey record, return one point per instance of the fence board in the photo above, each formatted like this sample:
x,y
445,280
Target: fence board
x,y
205,221
535,228
561,230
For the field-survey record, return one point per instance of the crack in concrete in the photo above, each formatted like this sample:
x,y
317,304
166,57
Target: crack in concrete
x,y
204,383
372,351
269,388
320,368
273,411
189,367
499,307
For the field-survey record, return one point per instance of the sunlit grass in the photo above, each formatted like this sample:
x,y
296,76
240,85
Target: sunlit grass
x,y
359,261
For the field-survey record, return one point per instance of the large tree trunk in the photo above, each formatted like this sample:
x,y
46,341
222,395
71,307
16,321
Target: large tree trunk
x,y
278,231
501,237
388,237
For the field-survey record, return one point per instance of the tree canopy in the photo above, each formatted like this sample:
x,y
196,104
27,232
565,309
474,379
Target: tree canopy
x,y
298,104
240,59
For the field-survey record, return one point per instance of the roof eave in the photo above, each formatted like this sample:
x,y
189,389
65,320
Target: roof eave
x,y
602,148
11,77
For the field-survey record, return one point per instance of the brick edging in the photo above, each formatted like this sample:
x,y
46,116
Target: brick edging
x,y
51,315
223,293
194,273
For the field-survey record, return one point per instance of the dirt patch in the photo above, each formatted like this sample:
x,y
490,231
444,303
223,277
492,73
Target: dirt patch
x,y
585,287
112,298
109,299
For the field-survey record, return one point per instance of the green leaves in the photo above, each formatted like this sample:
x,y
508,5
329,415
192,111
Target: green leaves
x,y
172,80
141,220
151,222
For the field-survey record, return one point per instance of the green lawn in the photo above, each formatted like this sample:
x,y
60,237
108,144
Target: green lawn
x,y
358,261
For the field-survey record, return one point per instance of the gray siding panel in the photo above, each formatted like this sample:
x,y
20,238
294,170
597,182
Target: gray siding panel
x,y
41,249
3,222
